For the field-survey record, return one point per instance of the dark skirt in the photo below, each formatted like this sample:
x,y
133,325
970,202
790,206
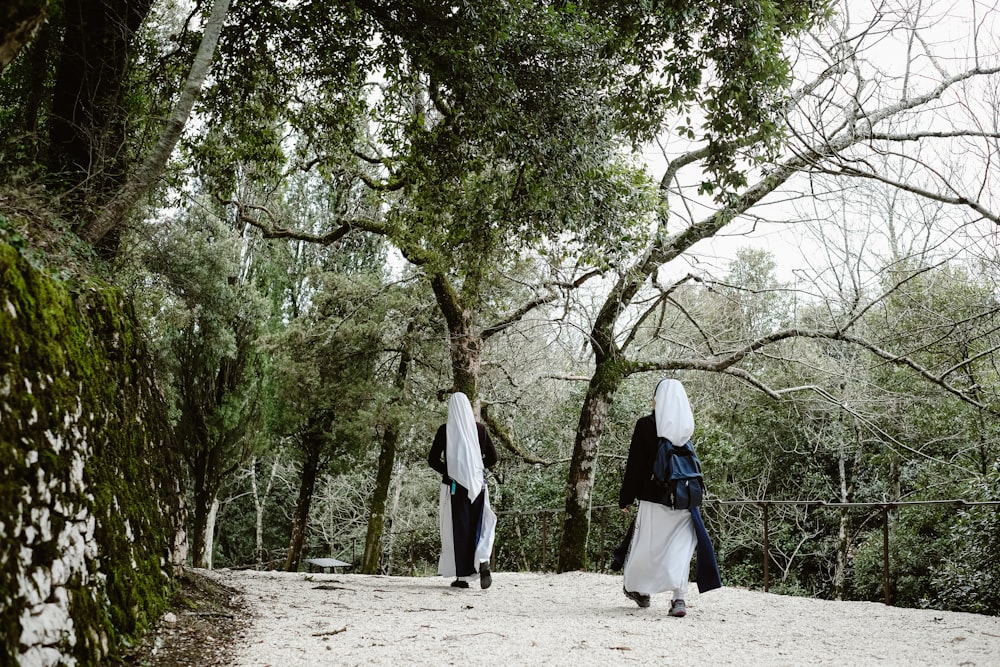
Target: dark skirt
x,y
466,522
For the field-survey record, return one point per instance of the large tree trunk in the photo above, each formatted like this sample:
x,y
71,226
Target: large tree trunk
x,y
376,518
206,491
142,179
610,370
466,345
386,463
88,126
580,483
312,446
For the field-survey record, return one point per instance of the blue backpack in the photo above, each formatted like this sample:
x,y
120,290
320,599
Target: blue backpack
x,y
677,471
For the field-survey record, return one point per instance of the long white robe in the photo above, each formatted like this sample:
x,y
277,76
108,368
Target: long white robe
x,y
659,558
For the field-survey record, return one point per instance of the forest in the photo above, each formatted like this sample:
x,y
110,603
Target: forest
x,y
330,215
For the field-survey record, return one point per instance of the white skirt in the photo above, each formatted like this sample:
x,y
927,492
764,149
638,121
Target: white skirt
x,y
659,558
487,530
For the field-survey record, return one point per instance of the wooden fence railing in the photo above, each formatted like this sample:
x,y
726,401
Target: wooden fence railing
x,y
548,522
528,540
884,509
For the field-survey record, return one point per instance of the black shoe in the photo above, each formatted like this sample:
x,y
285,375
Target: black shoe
x,y
485,579
458,583
639,598
678,609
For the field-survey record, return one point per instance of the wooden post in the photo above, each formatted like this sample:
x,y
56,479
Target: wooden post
x,y
413,568
767,548
600,554
885,554
545,539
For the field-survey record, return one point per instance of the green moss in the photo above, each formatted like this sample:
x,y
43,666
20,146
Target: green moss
x,y
75,385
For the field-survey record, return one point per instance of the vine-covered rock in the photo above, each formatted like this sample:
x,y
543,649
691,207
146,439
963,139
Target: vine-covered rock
x,y
90,498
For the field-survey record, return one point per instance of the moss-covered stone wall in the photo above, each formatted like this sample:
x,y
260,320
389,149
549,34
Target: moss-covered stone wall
x,y
90,502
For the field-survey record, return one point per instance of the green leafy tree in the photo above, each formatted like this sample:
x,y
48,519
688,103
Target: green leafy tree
x,y
842,137
196,285
325,385
72,105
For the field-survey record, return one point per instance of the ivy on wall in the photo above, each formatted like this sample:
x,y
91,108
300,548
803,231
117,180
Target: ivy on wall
x,y
90,498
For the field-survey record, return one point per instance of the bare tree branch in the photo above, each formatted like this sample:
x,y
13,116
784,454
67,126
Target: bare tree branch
x,y
274,231
503,436
541,300
726,363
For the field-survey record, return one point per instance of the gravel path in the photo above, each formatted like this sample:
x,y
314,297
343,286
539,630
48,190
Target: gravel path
x,y
580,619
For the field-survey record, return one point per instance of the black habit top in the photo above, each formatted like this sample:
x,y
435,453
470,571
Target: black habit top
x,y
437,459
638,483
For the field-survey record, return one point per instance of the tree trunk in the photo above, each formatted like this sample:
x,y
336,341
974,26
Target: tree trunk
x,y
87,117
206,491
376,519
313,446
142,179
609,373
580,483
390,545
209,540
895,477
386,463
258,506
259,502
840,574
465,345
19,20
35,102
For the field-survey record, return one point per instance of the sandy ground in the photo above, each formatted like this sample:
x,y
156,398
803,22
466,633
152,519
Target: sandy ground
x,y
580,619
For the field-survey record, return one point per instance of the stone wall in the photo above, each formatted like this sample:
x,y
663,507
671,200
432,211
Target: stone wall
x,y
90,498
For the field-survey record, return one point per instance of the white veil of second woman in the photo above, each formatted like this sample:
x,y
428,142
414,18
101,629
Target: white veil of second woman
x,y
462,452
674,419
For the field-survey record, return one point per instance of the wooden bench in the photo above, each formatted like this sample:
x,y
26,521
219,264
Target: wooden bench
x,y
327,564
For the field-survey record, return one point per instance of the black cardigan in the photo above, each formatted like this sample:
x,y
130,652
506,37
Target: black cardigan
x,y
638,483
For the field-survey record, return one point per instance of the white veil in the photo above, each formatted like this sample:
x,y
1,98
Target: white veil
x,y
672,411
462,452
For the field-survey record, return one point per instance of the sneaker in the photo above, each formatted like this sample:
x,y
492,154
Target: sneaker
x,y
639,598
458,583
678,609
485,578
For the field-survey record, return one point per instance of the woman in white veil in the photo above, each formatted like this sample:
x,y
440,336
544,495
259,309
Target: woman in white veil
x,y
664,539
461,452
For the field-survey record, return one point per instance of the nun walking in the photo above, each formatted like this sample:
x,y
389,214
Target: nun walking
x,y
461,452
663,539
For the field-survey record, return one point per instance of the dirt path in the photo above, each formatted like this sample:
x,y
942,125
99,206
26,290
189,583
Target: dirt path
x,y
580,619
